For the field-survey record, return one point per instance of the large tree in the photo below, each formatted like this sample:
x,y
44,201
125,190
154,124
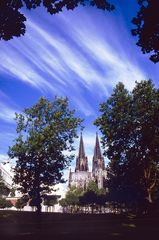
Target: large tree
x,y
145,112
71,201
45,137
129,123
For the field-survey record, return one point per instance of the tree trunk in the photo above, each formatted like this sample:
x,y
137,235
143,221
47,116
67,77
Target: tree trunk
x,y
149,197
38,207
38,196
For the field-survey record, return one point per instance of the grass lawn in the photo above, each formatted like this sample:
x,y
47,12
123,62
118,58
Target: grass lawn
x,y
56,226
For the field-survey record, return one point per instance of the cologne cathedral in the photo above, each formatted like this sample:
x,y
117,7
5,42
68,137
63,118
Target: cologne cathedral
x,y
82,176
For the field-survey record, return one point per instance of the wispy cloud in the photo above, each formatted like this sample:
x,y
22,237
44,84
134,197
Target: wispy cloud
x,y
62,60
7,108
3,158
108,51
7,114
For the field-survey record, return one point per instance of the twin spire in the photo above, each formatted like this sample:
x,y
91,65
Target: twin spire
x,y
97,150
81,148
82,161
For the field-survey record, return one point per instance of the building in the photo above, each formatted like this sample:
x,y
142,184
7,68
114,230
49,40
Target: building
x,y
6,173
82,176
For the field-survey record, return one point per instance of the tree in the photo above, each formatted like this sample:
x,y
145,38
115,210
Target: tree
x,y
4,190
44,132
77,199
22,202
92,186
147,28
5,203
129,124
63,204
71,199
12,20
93,197
146,135
89,198
50,200
115,125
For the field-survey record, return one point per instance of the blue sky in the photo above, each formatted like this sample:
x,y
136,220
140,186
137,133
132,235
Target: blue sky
x,y
81,54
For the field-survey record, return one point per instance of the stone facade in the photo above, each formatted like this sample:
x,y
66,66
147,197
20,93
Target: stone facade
x,y
82,176
6,173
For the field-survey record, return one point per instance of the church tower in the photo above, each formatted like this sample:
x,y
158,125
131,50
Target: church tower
x,y
98,160
98,166
81,176
81,160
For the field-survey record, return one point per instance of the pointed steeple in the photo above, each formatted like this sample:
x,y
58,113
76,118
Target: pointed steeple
x,y
97,150
81,148
81,161
98,160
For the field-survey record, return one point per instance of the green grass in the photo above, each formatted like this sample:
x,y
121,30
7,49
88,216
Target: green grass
x,y
26,225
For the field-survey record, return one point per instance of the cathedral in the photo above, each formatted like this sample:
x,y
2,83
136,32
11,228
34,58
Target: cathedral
x,y
82,176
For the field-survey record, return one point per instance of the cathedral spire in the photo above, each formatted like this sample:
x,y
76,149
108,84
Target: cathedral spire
x,y
81,161
98,160
81,148
97,150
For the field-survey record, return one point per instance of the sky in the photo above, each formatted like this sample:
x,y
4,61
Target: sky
x,y
81,54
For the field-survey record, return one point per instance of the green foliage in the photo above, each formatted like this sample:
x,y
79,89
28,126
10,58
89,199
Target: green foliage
x,y
4,190
76,198
21,202
63,202
50,200
44,131
5,203
129,123
93,196
71,201
88,198
72,196
92,186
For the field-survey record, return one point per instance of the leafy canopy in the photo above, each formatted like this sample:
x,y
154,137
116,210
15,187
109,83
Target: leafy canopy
x,y
129,123
5,203
76,196
45,133
4,190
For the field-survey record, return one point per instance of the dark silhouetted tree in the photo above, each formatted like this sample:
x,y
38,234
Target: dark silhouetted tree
x,y
4,190
146,135
22,202
50,200
44,131
129,124
12,21
93,197
147,28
